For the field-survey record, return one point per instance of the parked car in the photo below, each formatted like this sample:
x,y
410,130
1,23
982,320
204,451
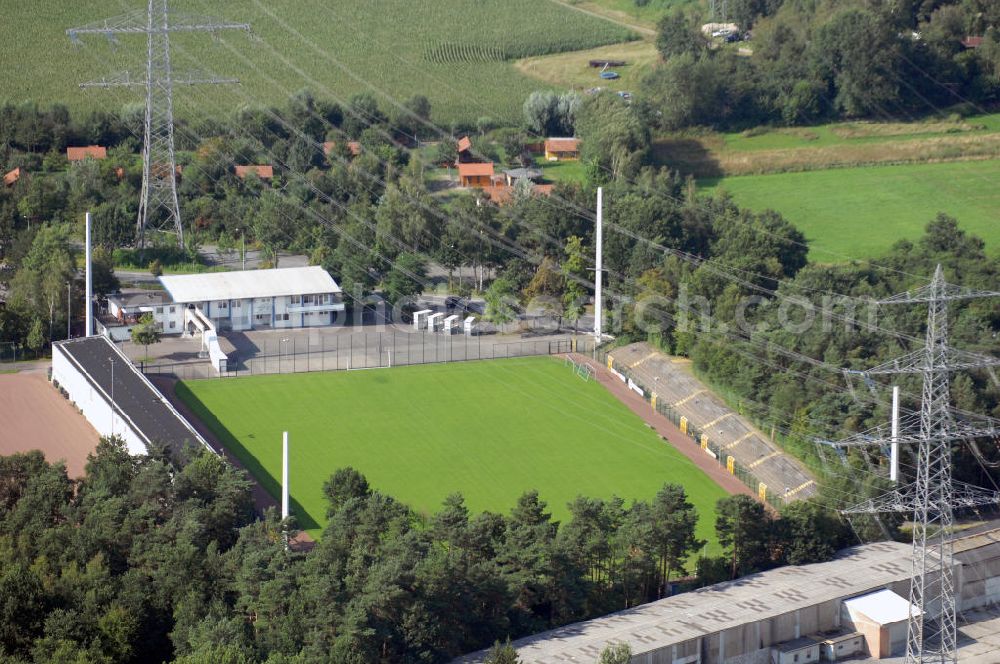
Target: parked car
x,y
455,302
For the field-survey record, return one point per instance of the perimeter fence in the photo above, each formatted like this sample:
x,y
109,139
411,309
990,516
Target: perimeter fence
x,y
367,350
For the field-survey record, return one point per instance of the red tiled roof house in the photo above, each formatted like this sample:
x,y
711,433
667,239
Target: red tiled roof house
x,y
264,172
475,175
91,151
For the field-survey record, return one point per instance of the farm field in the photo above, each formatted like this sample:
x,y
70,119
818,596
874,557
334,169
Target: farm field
x,y
849,213
572,69
456,53
763,150
490,429
628,11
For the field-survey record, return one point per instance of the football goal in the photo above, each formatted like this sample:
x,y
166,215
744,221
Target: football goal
x,y
581,369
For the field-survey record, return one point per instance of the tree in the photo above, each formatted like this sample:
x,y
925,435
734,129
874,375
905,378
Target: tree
x,y
343,485
676,34
502,653
674,523
104,280
812,534
858,54
500,302
269,224
406,278
574,274
613,137
146,332
744,527
38,288
36,335
616,653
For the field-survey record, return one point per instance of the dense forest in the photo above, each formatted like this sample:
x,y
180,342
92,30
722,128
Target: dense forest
x,y
145,560
815,60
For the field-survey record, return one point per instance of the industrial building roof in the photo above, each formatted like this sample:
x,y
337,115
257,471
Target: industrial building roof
x,y
243,285
882,606
133,395
709,610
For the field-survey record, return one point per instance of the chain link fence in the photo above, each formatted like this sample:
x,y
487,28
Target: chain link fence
x,y
368,350
697,436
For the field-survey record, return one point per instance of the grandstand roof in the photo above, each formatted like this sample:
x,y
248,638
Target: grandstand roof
x,y
134,397
708,610
242,285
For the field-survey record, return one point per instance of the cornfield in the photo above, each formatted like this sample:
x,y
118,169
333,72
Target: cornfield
x,y
456,52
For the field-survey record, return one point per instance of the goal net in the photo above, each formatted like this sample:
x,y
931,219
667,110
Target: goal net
x,y
581,369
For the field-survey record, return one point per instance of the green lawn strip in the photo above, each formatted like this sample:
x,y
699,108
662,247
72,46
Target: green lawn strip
x,y
826,135
490,430
562,171
861,212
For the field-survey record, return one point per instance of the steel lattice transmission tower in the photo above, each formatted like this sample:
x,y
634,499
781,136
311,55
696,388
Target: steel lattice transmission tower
x,y
159,210
932,496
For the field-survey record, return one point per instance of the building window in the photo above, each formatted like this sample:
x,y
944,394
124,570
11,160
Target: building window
x,y
224,304
159,310
795,658
236,304
173,324
307,299
295,299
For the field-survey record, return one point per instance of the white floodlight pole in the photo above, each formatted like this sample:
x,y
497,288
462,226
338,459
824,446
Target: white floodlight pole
x,y
89,288
599,266
894,447
284,476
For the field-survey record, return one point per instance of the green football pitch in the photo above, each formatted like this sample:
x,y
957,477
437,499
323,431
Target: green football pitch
x,y
490,430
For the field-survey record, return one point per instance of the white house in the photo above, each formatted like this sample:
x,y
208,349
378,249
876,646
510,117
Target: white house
x,y
255,299
125,310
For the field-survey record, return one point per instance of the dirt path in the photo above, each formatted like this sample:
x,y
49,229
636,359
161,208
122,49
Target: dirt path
x,y
261,498
611,16
35,416
681,442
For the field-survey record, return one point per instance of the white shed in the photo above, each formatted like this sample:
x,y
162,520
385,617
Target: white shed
x,y
882,617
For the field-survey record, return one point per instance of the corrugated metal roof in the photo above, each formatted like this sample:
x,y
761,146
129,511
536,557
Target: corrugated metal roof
x,y
723,606
883,607
242,285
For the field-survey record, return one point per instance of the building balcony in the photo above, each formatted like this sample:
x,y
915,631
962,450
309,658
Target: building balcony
x,y
317,308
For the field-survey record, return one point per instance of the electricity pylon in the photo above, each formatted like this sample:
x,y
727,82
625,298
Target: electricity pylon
x,y
159,210
932,631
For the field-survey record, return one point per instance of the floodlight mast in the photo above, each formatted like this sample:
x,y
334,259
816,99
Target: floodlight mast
x,y
932,629
159,209
599,268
